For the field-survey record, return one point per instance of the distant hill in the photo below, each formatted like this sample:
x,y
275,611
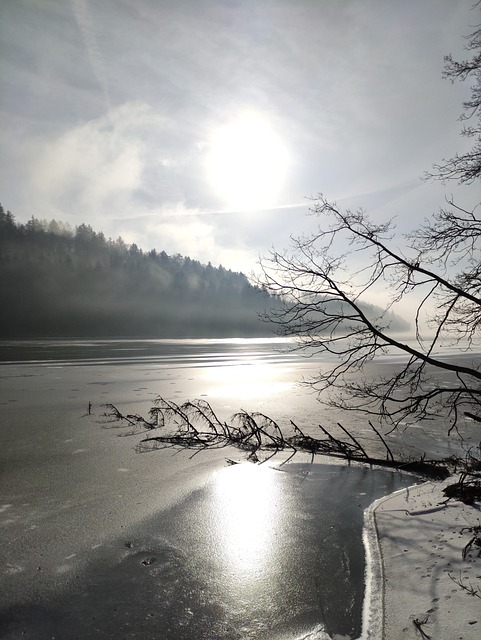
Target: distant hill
x,y
56,281
60,282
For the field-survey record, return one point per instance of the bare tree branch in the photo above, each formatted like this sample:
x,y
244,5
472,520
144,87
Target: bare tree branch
x,y
324,307
466,167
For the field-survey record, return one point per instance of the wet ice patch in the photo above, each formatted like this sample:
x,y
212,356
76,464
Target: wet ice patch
x,y
318,633
63,568
12,569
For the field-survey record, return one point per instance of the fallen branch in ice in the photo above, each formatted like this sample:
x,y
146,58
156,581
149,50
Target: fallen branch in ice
x,y
195,426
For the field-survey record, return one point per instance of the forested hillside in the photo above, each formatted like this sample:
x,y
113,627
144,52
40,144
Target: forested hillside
x,y
55,281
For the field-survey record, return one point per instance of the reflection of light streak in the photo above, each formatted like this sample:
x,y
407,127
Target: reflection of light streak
x,y
248,379
247,514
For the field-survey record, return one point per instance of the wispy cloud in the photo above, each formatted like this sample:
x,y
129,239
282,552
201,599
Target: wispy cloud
x,y
117,173
86,25
92,167
109,107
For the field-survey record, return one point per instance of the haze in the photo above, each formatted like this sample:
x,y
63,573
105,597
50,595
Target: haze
x,y
200,128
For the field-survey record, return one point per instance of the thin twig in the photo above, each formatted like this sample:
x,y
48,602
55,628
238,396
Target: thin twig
x,y
419,626
469,588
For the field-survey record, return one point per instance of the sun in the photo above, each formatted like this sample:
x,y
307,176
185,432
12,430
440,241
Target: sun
x,y
246,163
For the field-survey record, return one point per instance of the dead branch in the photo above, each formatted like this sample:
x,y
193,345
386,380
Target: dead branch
x,y
468,587
419,626
194,425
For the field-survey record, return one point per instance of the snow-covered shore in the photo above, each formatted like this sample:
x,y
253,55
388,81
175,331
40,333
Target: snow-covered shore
x,y
416,576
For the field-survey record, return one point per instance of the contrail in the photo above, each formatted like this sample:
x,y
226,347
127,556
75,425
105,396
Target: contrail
x,y
86,26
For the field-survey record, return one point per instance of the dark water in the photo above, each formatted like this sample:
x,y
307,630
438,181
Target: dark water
x,y
194,352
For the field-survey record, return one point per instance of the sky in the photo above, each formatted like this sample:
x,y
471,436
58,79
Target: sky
x,y
203,127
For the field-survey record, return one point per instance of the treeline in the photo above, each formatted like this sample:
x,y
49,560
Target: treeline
x,y
59,281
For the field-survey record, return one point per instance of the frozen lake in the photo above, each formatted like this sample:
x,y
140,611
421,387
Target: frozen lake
x,y
99,541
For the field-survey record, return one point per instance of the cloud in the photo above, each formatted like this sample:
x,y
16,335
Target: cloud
x,y
92,167
131,158
86,26
127,173
192,236
353,89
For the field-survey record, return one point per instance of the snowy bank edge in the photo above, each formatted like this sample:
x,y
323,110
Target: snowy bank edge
x,y
373,613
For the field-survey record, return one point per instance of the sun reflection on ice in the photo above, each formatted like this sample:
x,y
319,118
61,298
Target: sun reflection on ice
x,y
248,380
247,499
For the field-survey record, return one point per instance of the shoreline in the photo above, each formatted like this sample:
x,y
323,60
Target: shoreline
x,y
372,622
416,573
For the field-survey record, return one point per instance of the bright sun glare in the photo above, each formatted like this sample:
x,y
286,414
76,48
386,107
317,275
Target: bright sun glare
x,y
246,163
247,497
250,380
